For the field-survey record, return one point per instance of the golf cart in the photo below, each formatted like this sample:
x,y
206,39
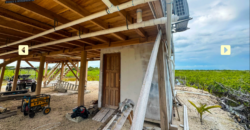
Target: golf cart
x,y
23,81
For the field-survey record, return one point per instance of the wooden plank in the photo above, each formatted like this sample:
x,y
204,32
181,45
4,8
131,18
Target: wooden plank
x,y
8,114
100,115
122,43
1,76
82,12
14,84
186,126
45,74
163,101
23,28
40,75
111,111
81,88
62,71
144,94
122,119
31,65
49,15
73,72
37,24
77,65
73,64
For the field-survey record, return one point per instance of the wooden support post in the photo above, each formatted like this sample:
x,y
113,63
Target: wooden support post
x,y
77,65
81,87
14,84
86,73
1,76
161,64
62,71
45,74
40,75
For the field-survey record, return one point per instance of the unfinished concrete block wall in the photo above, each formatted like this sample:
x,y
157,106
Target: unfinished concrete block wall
x,y
134,62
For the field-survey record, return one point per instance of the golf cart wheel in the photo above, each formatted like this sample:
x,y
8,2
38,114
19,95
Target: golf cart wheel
x,y
18,87
7,88
31,114
46,110
33,87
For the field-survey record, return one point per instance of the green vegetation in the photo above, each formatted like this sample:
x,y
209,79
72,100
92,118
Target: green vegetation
x,y
203,108
206,79
93,73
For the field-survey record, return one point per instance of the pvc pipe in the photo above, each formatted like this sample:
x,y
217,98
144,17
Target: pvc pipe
x,y
152,22
168,26
81,20
107,3
139,15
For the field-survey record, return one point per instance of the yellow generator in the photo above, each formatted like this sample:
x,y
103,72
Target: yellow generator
x,y
33,104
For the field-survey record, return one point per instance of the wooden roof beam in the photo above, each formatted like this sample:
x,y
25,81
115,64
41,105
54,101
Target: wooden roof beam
x,y
10,24
47,14
82,12
122,43
123,13
37,24
3,42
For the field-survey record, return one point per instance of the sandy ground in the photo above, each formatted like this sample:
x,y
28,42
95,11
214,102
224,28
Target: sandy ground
x,y
62,104
218,120
55,120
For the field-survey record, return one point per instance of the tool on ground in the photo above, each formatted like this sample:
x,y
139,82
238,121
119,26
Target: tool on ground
x,y
81,111
33,104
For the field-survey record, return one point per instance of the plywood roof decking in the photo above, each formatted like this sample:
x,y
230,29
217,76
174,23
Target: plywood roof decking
x,y
21,20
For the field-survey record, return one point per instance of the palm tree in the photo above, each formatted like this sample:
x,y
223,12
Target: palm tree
x,y
203,108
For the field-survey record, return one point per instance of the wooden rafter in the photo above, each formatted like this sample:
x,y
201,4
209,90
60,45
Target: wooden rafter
x,y
123,13
37,24
48,14
83,12
6,23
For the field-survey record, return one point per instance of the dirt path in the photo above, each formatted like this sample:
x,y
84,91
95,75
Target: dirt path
x,y
218,120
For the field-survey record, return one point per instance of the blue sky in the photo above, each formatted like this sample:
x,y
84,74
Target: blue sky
x,y
215,23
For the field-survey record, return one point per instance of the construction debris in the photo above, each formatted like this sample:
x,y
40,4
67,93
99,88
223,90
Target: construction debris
x,y
77,119
61,90
125,111
14,92
7,114
12,97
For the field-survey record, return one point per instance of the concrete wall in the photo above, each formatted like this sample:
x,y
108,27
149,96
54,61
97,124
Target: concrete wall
x,y
134,62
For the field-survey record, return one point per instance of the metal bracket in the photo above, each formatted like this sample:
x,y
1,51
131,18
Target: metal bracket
x,y
55,23
7,41
80,32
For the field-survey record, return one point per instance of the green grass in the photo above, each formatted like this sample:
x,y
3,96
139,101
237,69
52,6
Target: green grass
x,y
207,78
93,73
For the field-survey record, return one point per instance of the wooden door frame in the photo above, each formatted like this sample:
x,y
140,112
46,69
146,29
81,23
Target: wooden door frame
x,y
104,76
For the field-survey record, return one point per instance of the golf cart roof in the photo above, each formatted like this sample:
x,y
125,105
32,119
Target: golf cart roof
x,y
27,68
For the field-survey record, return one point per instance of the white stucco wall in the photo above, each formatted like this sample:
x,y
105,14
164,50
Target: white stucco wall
x,y
134,61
